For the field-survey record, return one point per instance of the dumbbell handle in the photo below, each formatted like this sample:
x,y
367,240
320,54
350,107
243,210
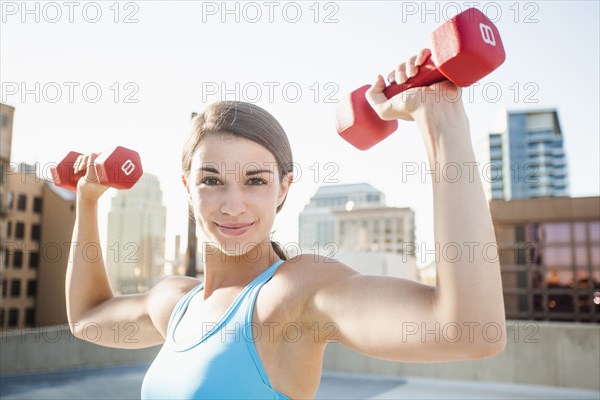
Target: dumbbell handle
x,y
428,74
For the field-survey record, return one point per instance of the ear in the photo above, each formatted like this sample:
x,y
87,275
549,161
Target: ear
x,y
284,188
187,188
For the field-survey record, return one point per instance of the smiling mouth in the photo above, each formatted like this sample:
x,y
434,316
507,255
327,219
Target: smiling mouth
x,y
234,229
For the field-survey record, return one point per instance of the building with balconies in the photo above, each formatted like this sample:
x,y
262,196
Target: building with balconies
x,y
528,158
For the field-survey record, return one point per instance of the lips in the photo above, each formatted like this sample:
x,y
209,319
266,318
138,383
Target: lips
x,y
234,229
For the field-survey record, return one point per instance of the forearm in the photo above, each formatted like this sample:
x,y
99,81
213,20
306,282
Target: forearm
x,y
469,285
86,282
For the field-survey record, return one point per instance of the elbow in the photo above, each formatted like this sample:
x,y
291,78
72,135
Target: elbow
x,y
74,328
489,348
77,325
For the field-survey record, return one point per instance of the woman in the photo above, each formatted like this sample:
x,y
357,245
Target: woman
x,y
258,325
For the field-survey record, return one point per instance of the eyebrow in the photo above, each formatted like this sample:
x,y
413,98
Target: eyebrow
x,y
248,173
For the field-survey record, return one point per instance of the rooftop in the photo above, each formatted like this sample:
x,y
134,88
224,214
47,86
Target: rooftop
x,y
329,190
124,382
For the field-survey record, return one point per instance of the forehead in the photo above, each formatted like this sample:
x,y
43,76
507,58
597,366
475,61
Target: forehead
x,y
230,152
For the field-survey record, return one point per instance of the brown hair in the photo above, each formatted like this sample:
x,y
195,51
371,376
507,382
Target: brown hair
x,y
250,122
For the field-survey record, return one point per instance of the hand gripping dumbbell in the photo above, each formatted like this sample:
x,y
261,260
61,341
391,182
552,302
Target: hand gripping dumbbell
x,y
119,167
464,50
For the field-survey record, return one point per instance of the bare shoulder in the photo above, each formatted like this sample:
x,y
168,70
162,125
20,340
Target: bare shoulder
x,y
313,271
163,297
305,275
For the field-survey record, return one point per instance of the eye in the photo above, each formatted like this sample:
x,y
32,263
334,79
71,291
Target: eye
x,y
257,181
210,181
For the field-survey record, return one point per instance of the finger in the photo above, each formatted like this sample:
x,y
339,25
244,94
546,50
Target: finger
x,y
91,166
397,74
400,74
76,164
378,86
91,158
422,57
411,69
80,163
375,97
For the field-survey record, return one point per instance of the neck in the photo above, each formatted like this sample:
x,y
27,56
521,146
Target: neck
x,y
224,270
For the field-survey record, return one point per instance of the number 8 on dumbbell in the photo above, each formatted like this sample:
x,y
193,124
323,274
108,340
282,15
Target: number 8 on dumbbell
x,y
119,167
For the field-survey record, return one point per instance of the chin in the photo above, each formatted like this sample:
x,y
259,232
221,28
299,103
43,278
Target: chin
x,y
236,247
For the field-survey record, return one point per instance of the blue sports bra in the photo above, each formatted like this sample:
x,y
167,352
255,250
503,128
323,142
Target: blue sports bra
x,y
222,364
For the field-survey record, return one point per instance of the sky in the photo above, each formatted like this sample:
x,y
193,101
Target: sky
x,y
87,76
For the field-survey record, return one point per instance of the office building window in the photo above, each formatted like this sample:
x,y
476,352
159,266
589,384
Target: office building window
x,y
552,272
594,232
18,259
29,317
31,288
579,235
2,318
399,225
21,202
4,288
10,200
13,317
388,226
4,120
15,288
556,232
5,255
34,260
36,232
19,230
8,229
37,205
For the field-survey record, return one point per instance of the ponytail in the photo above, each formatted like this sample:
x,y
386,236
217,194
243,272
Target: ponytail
x,y
279,251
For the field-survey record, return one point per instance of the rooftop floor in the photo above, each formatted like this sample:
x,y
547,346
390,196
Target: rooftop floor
x,y
124,382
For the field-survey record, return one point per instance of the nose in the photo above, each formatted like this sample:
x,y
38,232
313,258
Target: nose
x,y
234,202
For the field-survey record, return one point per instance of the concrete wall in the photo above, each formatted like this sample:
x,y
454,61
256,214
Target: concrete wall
x,y
55,348
544,353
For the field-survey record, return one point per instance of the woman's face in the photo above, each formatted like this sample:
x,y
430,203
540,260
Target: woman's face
x,y
234,189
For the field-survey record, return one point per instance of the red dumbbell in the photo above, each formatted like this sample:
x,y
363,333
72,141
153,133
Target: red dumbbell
x,y
464,50
120,168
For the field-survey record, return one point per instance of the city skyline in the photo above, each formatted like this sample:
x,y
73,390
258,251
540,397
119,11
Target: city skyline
x,y
158,77
87,76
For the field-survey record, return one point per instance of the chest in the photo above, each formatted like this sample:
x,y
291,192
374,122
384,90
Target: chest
x,y
284,352
205,315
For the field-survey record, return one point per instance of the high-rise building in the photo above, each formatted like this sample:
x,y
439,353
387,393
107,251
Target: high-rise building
x,y
549,250
317,222
351,223
35,251
382,229
6,125
528,158
136,237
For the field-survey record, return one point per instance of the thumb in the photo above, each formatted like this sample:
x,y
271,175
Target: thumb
x,y
91,173
377,99
377,87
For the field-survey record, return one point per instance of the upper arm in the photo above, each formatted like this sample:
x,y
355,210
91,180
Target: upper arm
x,y
383,317
133,321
